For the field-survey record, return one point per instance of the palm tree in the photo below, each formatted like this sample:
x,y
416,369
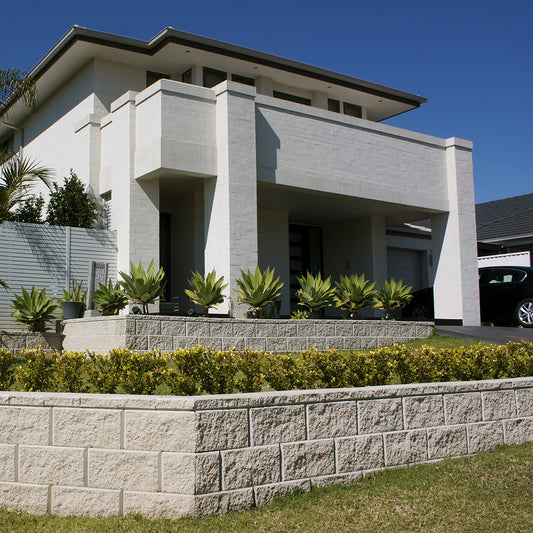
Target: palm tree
x,y
17,175
14,86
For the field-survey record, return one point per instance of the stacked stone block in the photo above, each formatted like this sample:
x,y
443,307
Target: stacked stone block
x,y
172,333
174,456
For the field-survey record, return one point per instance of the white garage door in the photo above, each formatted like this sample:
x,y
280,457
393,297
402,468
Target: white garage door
x,y
406,265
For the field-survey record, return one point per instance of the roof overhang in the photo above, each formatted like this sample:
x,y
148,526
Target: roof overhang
x,y
79,45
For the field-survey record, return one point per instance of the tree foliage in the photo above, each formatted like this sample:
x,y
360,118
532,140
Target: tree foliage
x,y
71,204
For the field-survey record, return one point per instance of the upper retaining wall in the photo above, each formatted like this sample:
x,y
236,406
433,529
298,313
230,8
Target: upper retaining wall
x,y
72,454
138,332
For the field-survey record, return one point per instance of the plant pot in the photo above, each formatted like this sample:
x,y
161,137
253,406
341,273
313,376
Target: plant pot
x,y
72,310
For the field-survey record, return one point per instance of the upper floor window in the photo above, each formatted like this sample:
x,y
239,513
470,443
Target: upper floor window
x,y
186,77
334,105
213,77
292,98
352,110
152,77
243,79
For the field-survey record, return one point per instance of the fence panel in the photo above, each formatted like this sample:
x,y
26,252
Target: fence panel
x,y
48,256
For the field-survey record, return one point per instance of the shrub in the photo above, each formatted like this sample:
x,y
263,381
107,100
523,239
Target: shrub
x,y
6,369
33,309
71,204
392,295
29,210
315,293
110,299
201,370
206,292
142,287
353,293
259,290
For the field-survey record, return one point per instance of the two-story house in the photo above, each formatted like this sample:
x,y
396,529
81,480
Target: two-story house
x,y
212,155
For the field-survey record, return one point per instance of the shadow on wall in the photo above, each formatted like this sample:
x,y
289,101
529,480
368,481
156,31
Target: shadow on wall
x,y
268,144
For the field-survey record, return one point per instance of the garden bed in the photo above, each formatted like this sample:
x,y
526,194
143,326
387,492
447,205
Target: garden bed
x,y
167,333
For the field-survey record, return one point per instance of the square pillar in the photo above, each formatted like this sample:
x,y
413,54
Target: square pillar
x,y
230,199
135,204
456,286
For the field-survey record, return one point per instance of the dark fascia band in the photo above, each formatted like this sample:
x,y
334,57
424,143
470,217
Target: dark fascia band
x,y
171,36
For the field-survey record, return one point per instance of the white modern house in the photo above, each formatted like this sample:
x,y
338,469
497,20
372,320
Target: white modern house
x,y
212,155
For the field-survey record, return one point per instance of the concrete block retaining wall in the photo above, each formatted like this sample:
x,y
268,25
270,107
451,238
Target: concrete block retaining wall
x,y
23,340
72,454
171,333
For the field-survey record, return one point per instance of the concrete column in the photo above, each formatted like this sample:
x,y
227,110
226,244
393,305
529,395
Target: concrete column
x,y
456,288
135,204
230,199
273,237
320,100
264,86
197,72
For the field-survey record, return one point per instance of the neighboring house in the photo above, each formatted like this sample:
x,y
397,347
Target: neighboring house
x,y
505,226
212,155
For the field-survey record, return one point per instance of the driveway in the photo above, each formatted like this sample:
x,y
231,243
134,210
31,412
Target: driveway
x,y
498,335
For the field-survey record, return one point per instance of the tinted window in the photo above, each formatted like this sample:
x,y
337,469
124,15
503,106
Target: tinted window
x,y
502,275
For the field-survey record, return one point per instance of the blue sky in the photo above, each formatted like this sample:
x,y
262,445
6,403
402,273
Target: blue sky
x,y
472,59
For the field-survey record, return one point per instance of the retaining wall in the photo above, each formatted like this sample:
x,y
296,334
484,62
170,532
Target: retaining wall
x,y
71,454
25,340
168,333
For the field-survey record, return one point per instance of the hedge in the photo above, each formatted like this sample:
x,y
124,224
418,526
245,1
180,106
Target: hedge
x,y
204,371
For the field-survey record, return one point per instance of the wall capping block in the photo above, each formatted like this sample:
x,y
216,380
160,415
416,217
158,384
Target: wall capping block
x,y
172,456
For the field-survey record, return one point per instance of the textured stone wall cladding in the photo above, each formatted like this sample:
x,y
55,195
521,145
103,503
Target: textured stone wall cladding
x,y
172,333
166,456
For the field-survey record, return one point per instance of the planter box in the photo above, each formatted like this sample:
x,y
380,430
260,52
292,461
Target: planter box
x,y
24,340
167,333
73,454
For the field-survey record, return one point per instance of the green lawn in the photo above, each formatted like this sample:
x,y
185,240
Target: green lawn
x,y
489,492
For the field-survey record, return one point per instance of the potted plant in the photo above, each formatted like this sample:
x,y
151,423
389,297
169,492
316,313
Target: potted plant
x,y
73,301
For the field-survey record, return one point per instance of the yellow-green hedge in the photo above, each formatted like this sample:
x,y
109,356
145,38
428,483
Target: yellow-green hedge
x,y
204,371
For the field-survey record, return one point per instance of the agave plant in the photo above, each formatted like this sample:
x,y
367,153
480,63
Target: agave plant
x,y
392,295
206,292
259,290
110,299
76,294
315,293
299,314
142,287
33,309
354,293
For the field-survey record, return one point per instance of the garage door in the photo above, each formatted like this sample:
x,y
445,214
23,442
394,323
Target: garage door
x,y
406,265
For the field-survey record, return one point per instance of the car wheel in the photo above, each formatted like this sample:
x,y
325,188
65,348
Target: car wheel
x,y
524,313
420,312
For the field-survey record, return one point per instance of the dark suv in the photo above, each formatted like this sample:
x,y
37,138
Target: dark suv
x,y
505,294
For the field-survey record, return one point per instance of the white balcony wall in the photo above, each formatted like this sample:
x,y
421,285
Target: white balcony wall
x,y
175,130
324,151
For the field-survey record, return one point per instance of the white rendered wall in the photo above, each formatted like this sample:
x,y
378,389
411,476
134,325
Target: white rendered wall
x,y
456,289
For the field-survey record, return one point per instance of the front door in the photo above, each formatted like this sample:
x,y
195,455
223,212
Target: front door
x,y
305,255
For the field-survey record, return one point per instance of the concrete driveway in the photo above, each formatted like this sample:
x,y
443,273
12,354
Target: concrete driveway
x,y
498,335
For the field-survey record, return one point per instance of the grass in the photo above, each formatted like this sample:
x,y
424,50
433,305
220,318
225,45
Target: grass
x,y
438,341
490,492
